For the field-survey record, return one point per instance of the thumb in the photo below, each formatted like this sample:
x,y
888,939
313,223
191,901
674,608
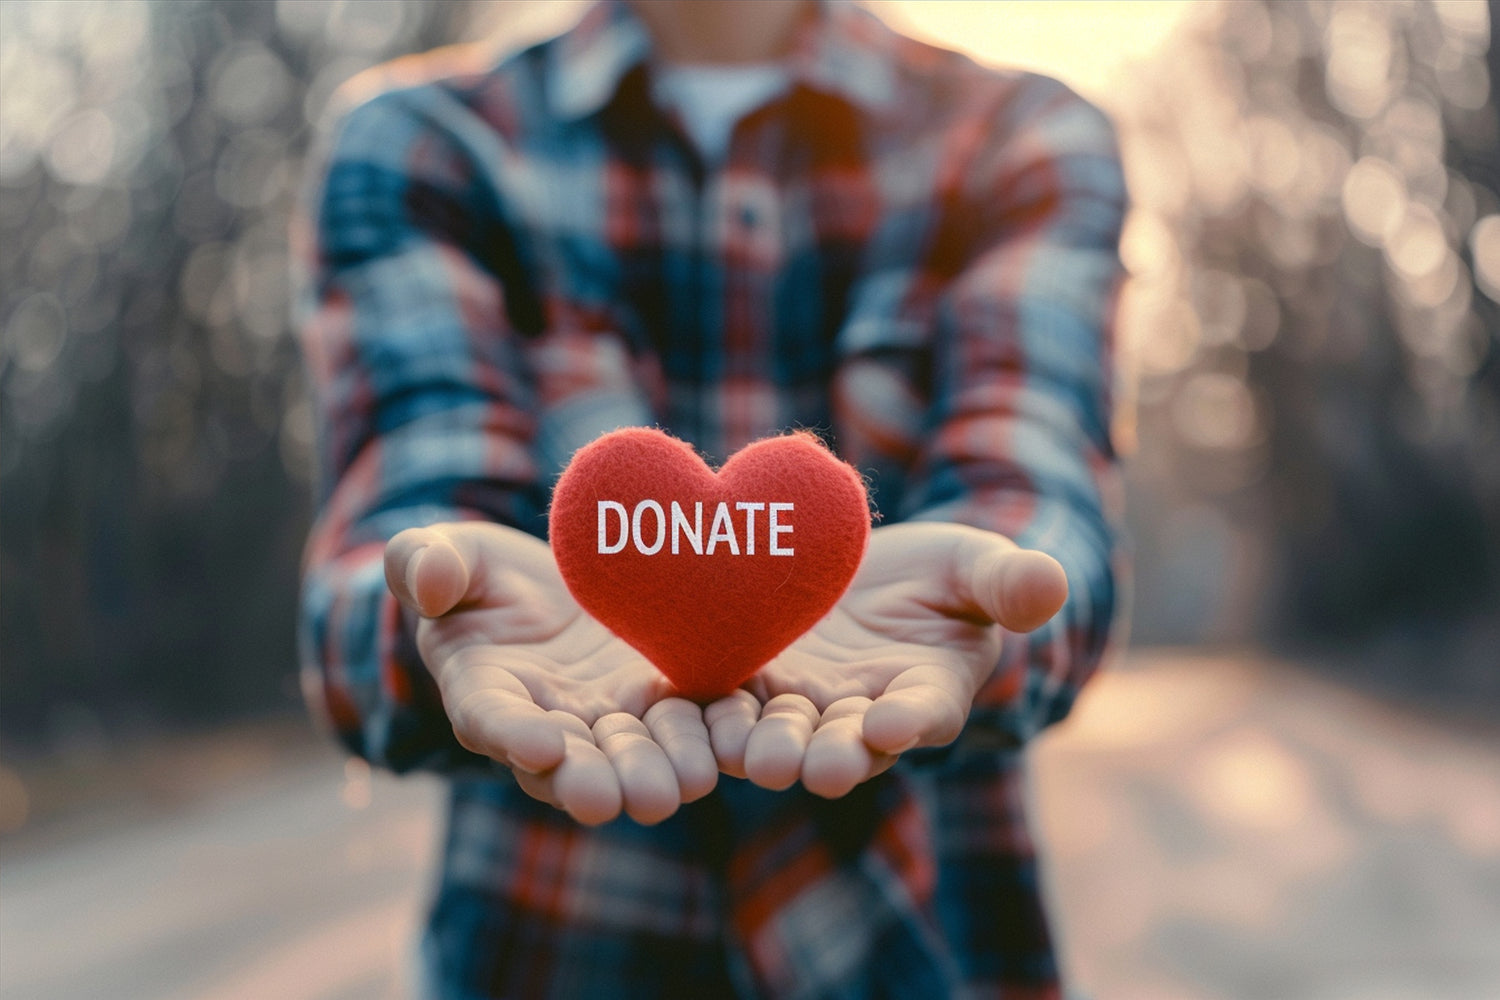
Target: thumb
x,y
1018,588
427,571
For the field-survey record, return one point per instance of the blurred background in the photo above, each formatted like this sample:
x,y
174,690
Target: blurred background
x,y
1289,788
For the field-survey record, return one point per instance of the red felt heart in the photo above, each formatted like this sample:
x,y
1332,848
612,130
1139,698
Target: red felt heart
x,y
743,583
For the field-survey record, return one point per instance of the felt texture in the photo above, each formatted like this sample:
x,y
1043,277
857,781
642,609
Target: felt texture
x,y
708,621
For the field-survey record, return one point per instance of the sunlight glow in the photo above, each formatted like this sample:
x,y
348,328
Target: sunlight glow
x,y
1085,44
1250,780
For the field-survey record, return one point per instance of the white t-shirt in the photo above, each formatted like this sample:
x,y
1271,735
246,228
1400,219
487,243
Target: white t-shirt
x,y
711,99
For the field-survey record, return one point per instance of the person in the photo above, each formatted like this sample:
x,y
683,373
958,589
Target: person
x,y
725,218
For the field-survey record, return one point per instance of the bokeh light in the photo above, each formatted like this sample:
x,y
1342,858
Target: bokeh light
x,y
151,400
1311,184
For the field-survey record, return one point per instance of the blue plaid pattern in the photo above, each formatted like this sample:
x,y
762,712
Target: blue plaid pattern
x,y
910,254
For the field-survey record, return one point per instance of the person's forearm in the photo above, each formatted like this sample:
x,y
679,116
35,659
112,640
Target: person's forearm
x,y
361,672
1040,673
421,403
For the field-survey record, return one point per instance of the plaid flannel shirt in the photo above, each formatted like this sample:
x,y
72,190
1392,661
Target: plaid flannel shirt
x,y
912,254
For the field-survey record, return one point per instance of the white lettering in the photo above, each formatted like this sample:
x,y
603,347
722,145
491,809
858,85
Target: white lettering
x,y
661,528
749,509
723,530
605,506
672,518
680,526
778,529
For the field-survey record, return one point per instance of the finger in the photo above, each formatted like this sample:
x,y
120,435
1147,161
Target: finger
x,y
729,721
677,726
434,569
1018,588
540,785
585,784
777,744
426,572
924,706
837,757
647,782
493,714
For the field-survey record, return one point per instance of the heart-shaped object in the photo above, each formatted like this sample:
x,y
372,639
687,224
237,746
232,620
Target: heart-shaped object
x,y
709,575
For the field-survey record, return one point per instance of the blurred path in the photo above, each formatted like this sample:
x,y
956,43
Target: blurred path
x,y
1222,827
305,885
1217,827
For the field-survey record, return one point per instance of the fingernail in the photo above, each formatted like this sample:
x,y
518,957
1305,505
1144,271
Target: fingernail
x,y
412,565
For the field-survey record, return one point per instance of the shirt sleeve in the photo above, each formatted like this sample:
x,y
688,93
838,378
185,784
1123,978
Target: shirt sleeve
x,y
1018,436
423,406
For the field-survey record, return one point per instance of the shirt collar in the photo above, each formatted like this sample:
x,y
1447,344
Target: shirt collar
x,y
846,50
842,49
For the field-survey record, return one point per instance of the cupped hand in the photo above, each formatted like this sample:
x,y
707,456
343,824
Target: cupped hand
x,y
528,678
895,665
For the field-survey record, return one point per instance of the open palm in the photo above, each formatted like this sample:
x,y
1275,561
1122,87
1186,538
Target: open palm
x,y
895,665
530,679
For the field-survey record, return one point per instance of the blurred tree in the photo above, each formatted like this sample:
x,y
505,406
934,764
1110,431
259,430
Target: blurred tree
x,y
155,438
1316,332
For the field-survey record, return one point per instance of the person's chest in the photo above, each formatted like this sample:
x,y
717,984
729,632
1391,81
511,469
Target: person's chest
x,y
787,287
